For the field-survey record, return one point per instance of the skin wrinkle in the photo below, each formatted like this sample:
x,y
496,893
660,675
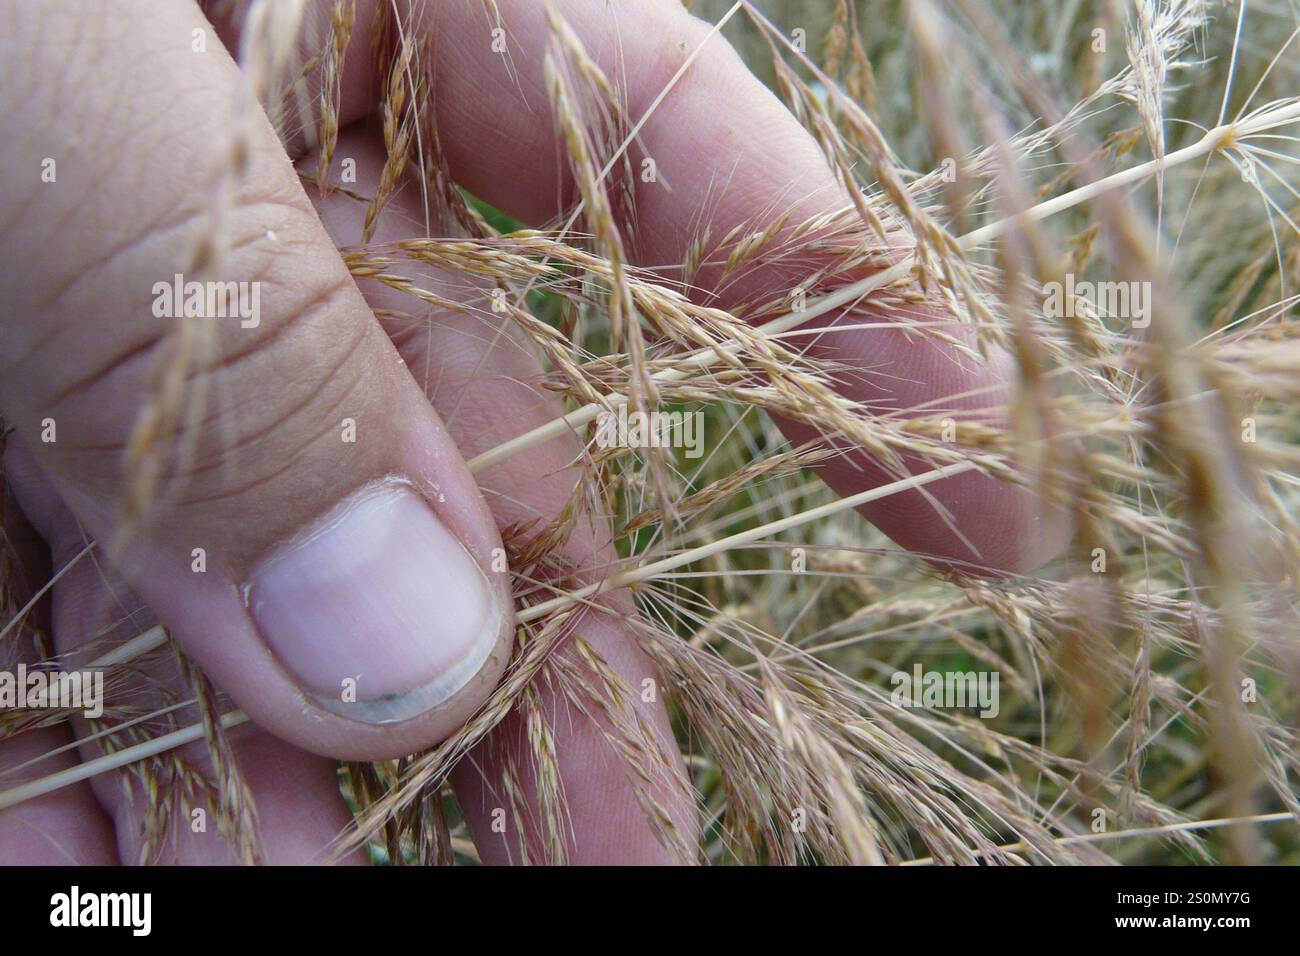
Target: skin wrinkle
x,y
299,322
284,421
153,232
107,113
252,339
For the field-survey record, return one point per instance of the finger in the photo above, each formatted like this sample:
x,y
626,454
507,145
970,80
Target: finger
x,y
66,826
273,483
728,147
321,23
295,809
482,376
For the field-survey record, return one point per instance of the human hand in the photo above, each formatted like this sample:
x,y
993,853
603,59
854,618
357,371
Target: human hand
x,y
324,477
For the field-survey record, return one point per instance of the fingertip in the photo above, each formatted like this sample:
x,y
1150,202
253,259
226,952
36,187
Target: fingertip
x,y
378,611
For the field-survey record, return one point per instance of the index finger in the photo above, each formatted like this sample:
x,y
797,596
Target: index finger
x,y
729,160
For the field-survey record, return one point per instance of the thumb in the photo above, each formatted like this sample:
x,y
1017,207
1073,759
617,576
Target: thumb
x,y
233,426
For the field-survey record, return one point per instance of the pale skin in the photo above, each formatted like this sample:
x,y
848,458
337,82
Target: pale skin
x,y
139,125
